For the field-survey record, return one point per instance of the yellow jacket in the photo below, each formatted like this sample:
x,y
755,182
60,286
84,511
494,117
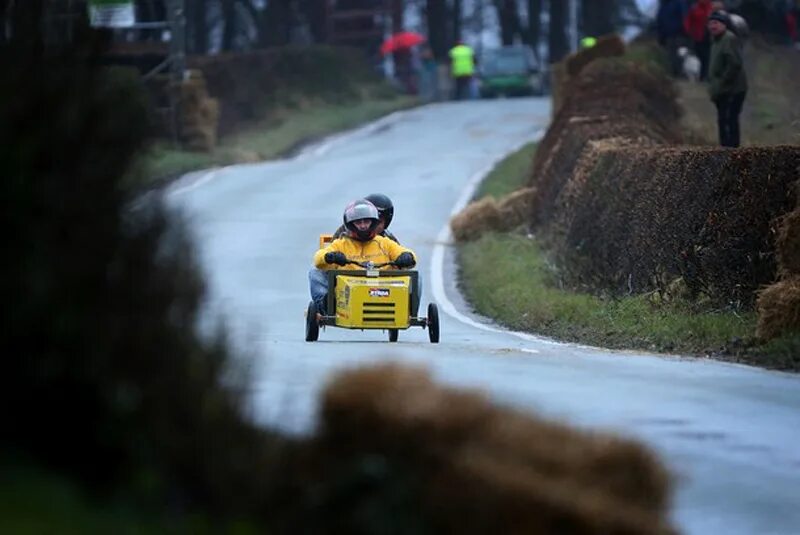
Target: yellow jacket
x,y
378,249
462,61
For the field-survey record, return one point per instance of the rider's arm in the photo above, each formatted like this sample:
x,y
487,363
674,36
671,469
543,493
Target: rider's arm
x,y
395,249
319,256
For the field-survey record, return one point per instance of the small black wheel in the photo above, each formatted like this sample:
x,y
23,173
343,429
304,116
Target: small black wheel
x,y
312,326
433,323
393,333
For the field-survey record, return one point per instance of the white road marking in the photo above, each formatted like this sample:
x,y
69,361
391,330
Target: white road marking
x,y
445,238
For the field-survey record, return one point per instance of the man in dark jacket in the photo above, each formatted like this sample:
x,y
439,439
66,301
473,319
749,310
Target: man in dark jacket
x,y
727,82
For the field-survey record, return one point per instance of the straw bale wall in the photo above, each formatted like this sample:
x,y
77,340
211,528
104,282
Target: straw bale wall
x,y
563,72
643,217
611,99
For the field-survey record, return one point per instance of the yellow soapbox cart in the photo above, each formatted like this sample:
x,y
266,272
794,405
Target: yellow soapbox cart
x,y
370,298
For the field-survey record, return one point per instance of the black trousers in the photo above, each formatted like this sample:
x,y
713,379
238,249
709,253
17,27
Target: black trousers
x,y
462,89
729,106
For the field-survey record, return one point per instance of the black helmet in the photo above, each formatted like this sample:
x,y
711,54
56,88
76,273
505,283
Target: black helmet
x,y
384,206
361,209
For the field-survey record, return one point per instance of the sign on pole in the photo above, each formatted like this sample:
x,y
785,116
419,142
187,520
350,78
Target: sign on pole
x,y
111,13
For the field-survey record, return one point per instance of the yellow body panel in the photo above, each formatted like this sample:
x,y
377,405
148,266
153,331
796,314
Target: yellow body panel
x,y
372,302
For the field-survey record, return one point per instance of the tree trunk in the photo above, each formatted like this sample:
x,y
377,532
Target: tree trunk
x,y
229,24
197,25
508,16
316,11
597,17
456,17
558,43
276,23
534,33
436,14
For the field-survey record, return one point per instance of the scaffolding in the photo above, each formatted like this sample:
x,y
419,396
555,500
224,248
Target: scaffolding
x,y
155,45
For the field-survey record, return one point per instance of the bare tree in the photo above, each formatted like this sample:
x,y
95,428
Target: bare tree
x,y
436,15
534,33
456,15
597,17
508,15
197,25
558,42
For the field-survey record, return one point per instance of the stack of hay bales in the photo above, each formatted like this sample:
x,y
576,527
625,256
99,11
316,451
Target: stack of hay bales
x,y
641,217
455,463
603,98
489,214
563,72
610,100
778,305
198,115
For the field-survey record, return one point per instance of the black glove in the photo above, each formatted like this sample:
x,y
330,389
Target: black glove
x,y
405,260
335,257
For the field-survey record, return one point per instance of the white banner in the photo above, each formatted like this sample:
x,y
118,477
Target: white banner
x,y
111,14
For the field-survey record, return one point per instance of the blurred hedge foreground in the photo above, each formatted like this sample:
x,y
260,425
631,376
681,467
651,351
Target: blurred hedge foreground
x,y
627,207
108,383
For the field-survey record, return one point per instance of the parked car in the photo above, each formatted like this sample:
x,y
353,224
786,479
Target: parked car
x,y
510,71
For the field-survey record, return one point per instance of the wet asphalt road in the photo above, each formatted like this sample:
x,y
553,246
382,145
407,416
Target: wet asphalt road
x,y
731,433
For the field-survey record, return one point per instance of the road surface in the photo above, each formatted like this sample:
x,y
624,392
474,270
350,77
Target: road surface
x,y
731,433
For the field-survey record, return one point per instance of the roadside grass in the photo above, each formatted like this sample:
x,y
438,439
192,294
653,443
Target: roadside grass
x,y
509,175
507,277
286,130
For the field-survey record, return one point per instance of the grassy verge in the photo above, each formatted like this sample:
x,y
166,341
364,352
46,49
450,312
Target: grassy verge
x,y
528,299
509,175
285,131
508,277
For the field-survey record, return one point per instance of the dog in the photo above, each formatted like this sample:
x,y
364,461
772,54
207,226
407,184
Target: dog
x,y
690,64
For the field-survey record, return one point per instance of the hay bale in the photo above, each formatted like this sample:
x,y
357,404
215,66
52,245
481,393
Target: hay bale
x,y
488,214
787,245
558,84
475,219
515,208
479,468
778,308
198,119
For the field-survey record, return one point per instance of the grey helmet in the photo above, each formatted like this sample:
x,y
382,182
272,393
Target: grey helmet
x,y
360,209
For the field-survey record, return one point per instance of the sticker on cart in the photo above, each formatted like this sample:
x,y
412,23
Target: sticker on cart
x,y
379,292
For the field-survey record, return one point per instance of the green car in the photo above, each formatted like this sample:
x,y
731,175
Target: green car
x,y
510,71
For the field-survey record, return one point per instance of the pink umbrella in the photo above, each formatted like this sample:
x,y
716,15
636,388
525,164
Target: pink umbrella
x,y
401,41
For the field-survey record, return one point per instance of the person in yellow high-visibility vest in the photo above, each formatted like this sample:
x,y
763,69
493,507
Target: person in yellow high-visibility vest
x,y
462,69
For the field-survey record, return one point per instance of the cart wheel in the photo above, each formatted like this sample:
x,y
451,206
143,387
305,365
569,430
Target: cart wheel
x,y
393,333
433,323
312,327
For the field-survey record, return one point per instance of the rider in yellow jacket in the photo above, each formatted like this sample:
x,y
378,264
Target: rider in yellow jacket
x,y
360,244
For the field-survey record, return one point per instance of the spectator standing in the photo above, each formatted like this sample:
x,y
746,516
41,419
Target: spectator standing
x,y
428,76
737,24
727,81
669,22
695,24
462,69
